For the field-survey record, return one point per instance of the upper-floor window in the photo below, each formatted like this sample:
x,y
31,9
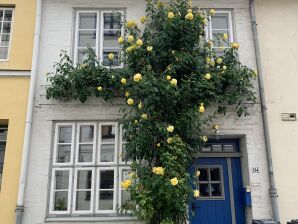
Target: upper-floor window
x,y
99,30
6,15
87,169
220,24
3,137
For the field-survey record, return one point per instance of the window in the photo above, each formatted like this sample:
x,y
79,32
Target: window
x,y
6,16
210,182
87,169
3,137
98,30
219,147
220,23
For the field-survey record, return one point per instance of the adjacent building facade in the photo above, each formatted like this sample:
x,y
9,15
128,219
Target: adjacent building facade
x,y
16,39
75,166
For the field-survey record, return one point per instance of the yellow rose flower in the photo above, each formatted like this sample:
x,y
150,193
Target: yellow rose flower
x,y
218,60
137,77
84,65
170,140
158,145
99,88
131,24
140,105
224,67
225,36
169,77
196,193
202,108
130,101
208,60
255,73
130,49
235,45
111,56
120,40
208,76
127,94
136,121
139,42
212,63
215,126
174,82
126,184
210,43
144,116
205,21
174,181
170,128
143,19
189,10
171,15
205,138
198,173
130,38
212,12
189,16
123,81
149,48
158,170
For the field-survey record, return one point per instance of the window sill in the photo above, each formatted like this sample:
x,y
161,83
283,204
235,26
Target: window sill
x,y
90,219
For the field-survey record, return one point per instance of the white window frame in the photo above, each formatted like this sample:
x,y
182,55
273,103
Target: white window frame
x,y
53,191
78,143
11,30
97,210
209,29
107,143
56,143
74,211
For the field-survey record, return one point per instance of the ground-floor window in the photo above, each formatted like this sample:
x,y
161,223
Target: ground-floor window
x,y
3,137
87,169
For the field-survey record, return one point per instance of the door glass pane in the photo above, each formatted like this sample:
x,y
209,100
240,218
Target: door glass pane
x,y
112,20
220,21
85,153
215,174
216,190
106,179
107,153
204,190
83,200
108,133
62,179
87,38
106,200
84,179
203,174
86,133
63,153
60,201
87,21
65,134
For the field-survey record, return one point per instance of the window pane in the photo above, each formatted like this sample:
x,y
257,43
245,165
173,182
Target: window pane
x,y
62,179
63,153
87,38
126,175
217,37
3,52
216,190
111,39
112,20
85,153
220,21
229,147
6,27
123,153
65,134
84,179
206,148
204,190
125,196
3,134
82,55
60,201
106,200
203,174
108,133
107,153
88,21
106,179
2,154
1,15
5,40
217,148
215,174
8,15
107,62
83,200
86,133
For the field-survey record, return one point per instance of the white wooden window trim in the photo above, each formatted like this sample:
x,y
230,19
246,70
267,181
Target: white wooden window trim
x,y
121,169
74,211
98,190
78,143
56,143
53,191
100,143
10,34
76,50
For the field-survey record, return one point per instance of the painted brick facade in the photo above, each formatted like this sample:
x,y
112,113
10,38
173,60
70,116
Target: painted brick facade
x,y
57,34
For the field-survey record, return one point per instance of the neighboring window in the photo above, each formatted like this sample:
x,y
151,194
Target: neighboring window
x,y
3,137
219,147
220,23
87,169
6,15
210,182
100,31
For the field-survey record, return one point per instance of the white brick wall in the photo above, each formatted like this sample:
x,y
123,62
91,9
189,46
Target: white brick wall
x,y
57,33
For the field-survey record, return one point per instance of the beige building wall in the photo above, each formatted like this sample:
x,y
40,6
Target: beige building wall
x,y
278,35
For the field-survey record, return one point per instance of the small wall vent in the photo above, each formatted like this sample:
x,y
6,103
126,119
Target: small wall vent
x,y
288,116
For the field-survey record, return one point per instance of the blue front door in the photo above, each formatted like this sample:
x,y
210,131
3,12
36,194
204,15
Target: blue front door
x,y
220,185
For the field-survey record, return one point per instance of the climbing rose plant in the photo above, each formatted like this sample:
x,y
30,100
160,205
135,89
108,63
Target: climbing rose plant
x,y
170,75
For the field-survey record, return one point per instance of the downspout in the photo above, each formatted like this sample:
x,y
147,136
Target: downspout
x,y
28,124
272,190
